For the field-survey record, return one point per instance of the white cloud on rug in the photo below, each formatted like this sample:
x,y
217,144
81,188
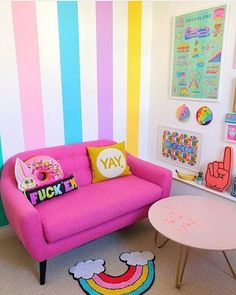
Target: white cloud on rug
x,y
137,258
86,269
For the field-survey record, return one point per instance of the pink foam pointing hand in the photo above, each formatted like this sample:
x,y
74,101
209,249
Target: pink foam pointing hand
x,y
218,173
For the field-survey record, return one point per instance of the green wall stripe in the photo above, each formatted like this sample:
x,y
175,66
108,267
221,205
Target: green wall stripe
x,y
3,218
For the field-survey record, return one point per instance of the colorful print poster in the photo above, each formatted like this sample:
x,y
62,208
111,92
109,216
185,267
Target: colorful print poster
x,y
180,147
234,64
197,53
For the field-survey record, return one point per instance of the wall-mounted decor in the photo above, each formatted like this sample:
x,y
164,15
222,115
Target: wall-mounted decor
x,y
180,147
233,190
234,61
204,115
218,173
234,94
197,52
183,113
230,131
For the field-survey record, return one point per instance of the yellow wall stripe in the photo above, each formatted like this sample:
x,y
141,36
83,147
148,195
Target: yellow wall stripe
x,y
133,83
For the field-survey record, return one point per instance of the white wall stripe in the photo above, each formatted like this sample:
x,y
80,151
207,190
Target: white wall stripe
x,y
146,48
49,56
11,130
120,27
88,69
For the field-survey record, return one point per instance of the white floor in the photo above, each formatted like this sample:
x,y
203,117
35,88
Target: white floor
x,y
206,271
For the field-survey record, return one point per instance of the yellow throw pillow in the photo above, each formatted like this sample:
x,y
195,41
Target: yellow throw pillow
x,y
108,162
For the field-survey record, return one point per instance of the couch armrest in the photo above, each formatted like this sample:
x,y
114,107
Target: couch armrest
x,y
21,214
150,172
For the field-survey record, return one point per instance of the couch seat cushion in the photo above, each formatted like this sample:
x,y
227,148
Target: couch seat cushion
x,y
94,204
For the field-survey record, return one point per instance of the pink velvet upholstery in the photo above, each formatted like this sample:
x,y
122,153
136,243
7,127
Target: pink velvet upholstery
x,y
63,223
75,212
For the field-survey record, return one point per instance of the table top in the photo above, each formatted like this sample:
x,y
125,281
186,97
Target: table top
x,y
199,222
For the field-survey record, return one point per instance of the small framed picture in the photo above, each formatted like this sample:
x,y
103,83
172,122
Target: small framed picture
x,y
180,147
231,132
234,63
234,96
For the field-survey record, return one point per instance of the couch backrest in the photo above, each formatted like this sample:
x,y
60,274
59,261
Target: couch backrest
x,y
73,159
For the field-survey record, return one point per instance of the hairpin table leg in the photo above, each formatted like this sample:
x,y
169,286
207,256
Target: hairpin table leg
x,y
156,241
180,267
229,264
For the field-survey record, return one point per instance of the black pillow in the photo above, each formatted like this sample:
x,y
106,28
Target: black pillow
x,y
55,189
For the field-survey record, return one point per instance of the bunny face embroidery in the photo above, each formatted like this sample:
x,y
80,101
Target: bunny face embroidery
x,y
28,183
24,177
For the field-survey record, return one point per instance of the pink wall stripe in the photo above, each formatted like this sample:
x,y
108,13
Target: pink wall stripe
x,y
27,54
104,69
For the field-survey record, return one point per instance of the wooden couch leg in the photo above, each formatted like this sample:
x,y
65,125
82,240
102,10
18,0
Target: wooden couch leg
x,y
42,271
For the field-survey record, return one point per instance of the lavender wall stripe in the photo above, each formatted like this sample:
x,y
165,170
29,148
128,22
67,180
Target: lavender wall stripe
x,y
104,69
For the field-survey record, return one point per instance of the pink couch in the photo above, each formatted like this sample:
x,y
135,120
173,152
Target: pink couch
x,y
60,224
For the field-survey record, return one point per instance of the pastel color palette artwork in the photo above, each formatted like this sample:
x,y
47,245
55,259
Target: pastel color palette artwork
x,y
183,113
138,278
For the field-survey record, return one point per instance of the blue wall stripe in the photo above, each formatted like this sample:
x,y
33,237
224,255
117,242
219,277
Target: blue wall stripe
x,y
70,70
3,218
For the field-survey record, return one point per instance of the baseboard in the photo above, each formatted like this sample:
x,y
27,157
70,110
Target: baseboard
x,y
6,232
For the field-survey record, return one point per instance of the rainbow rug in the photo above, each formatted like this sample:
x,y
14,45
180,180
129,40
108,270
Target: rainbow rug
x,y
93,279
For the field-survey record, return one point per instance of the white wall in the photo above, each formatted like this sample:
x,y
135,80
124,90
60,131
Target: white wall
x,y
162,108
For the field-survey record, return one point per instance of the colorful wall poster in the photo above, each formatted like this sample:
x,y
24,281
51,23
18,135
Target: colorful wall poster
x,y
231,133
234,95
234,62
197,54
230,122
180,147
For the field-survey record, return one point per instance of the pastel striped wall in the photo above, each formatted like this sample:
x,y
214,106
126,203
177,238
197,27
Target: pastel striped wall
x,y
133,81
70,70
3,219
74,71
104,68
27,55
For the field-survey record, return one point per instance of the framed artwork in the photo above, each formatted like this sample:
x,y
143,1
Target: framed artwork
x,y
234,61
230,131
234,96
197,54
180,147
